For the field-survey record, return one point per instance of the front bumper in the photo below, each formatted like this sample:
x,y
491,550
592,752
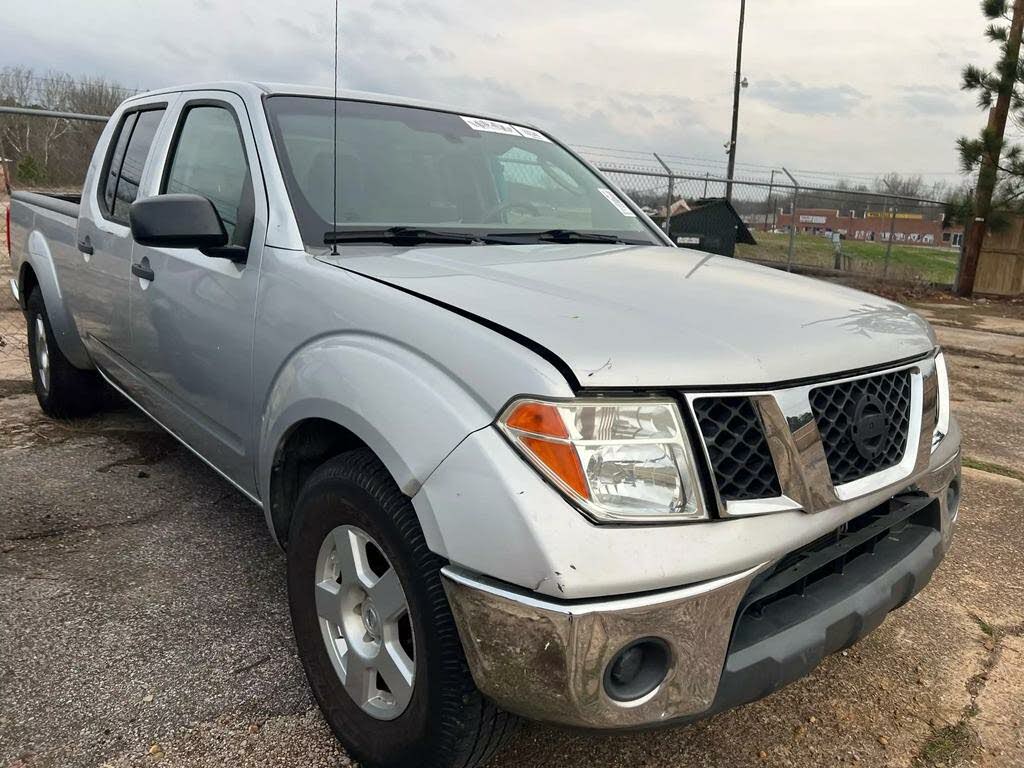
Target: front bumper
x,y
731,640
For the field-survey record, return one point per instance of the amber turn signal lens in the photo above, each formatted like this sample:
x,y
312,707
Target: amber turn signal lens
x,y
538,418
562,460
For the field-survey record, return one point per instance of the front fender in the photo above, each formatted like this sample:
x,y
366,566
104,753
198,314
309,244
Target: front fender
x,y
407,409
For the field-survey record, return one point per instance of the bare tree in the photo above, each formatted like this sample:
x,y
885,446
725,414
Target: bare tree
x,y
52,152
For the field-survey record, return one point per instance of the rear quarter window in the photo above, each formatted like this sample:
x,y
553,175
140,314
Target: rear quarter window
x,y
128,155
134,163
108,184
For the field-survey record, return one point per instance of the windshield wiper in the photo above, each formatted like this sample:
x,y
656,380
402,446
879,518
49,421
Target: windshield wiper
x,y
558,236
399,236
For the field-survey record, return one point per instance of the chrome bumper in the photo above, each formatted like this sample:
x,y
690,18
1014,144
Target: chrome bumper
x,y
547,660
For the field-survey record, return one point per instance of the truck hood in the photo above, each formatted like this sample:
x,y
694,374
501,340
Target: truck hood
x,y
648,316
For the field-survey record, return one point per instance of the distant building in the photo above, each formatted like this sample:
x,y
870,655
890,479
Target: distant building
x,y
908,229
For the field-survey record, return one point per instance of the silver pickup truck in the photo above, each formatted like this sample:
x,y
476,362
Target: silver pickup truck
x,y
526,457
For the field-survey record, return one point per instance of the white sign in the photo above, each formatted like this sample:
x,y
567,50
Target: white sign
x,y
804,219
490,126
620,206
529,133
495,126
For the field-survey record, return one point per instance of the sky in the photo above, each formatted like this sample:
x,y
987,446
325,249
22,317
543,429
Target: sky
x,y
837,87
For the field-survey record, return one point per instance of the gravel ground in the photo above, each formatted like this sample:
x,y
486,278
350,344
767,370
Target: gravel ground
x,y
144,618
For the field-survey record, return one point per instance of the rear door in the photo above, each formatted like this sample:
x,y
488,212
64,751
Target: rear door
x,y
192,323
100,288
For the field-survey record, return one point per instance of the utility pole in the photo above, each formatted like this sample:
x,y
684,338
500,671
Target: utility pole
x,y
987,173
888,245
736,102
792,221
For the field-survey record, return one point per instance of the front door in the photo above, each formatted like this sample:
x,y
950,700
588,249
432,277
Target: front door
x,y
192,319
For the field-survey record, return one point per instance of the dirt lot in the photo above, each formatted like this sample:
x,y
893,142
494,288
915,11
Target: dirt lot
x,y
144,616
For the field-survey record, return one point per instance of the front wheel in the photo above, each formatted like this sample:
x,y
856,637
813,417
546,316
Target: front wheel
x,y
374,630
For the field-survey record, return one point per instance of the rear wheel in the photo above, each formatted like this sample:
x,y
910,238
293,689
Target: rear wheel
x,y
374,630
63,390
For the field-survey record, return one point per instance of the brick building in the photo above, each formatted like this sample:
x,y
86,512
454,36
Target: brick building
x,y
909,228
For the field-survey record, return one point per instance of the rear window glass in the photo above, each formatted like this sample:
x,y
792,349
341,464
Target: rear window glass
x,y
108,185
134,162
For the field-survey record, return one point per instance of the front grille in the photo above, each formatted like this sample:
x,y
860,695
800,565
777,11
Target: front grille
x,y
839,410
737,447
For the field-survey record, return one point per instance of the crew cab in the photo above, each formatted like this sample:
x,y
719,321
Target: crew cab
x,y
526,457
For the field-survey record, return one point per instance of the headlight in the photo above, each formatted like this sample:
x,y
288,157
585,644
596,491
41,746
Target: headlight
x,y
620,461
942,396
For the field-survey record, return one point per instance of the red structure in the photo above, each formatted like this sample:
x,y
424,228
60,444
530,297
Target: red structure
x,y
908,229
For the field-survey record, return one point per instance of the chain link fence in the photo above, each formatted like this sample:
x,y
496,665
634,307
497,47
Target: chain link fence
x,y
12,322
840,230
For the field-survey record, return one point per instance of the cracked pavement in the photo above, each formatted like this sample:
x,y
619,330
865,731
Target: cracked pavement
x,y
145,619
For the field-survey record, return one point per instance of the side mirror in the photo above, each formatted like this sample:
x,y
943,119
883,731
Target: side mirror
x,y
177,221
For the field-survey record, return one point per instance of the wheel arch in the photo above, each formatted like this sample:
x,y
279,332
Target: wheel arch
x,y
353,390
37,271
307,445
27,282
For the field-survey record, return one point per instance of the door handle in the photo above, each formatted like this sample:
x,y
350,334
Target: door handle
x,y
143,271
85,246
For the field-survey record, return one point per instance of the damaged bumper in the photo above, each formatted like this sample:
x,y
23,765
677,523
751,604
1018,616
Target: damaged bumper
x,y
723,642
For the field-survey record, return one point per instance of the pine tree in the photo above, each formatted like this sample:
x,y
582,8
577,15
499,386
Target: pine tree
x,y
998,92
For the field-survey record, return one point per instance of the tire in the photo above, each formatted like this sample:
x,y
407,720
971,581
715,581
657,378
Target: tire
x,y
447,722
63,390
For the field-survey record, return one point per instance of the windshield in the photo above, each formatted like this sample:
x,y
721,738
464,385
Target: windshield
x,y
410,167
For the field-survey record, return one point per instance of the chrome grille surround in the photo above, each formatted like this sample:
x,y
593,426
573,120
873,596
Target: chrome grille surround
x,y
798,451
834,407
735,442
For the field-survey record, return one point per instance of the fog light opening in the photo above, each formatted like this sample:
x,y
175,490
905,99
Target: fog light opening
x,y
953,500
637,670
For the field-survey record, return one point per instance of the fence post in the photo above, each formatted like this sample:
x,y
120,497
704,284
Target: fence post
x,y
888,246
707,176
668,200
792,221
771,205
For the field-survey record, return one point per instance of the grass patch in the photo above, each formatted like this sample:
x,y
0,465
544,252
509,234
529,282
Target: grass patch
x,y
949,746
984,626
908,262
992,469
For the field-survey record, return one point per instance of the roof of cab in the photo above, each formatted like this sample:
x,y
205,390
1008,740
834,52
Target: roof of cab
x,y
258,89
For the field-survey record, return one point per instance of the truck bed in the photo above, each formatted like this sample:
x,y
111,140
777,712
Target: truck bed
x,y
58,202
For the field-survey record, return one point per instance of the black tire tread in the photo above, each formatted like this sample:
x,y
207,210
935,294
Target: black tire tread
x,y
73,392
473,728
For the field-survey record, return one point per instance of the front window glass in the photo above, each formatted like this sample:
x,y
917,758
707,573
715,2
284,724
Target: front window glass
x,y
404,166
209,160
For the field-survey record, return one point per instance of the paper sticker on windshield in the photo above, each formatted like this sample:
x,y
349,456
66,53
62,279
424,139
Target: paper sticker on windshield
x,y
489,126
620,206
529,133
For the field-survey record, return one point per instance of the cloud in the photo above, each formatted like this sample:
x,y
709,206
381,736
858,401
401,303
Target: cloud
x,y
927,100
600,73
442,54
797,98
